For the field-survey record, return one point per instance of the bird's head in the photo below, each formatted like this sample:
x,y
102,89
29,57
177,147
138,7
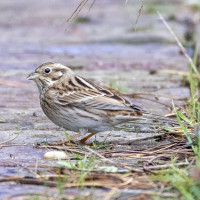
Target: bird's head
x,y
48,74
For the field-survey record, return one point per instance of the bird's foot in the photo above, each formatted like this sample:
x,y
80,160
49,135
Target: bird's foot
x,y
83,141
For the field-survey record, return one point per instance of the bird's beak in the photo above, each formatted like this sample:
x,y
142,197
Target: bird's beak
x,y
32,76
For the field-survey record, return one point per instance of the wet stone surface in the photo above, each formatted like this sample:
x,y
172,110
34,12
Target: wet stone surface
x,y
104,49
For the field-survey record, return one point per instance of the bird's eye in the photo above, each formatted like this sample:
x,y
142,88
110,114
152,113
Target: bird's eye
x,y
47,70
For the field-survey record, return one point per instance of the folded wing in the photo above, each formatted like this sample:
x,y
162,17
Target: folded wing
x,y
89,95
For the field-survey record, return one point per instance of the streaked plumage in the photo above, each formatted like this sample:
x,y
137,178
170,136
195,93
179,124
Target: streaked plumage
x,y
74,103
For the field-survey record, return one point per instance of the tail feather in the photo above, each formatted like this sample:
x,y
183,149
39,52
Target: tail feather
x,y
156,117
160,118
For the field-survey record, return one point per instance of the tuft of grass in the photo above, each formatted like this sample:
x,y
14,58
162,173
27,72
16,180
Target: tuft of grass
x,y
100,145
67,136
61,182
83,163
117,85
82,20
193,108
180,179
196,7
140,29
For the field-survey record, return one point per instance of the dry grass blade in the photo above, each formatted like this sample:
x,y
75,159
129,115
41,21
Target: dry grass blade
x,y
109,195
170,115
154,95
99,155
178,42
130,184
13,145
179,73
79,8
6,141
140,139
174,146
91,5
139,13
98,180
158,167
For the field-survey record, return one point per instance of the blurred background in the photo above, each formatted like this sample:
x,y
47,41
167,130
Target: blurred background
x,y
104,36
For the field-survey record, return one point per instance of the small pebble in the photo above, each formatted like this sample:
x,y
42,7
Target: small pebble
x,y
35,114
55,155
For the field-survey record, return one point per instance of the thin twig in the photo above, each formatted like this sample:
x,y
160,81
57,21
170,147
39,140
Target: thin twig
x,y
110,161
9,139
99,155
139,13
179,73
164,166
140,139
84,3
77,10
13,145
110,194
91,6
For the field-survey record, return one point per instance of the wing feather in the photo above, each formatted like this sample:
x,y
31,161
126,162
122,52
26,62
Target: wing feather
x,y
89,95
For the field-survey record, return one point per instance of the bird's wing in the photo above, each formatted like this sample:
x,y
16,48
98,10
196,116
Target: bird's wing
x,y
85,94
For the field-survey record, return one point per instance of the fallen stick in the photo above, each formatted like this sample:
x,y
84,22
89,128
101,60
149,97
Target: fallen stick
x,y
139,139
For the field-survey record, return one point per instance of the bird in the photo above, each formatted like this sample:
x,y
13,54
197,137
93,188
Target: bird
x,y
75,103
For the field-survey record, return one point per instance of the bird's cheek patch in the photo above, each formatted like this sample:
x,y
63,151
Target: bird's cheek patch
x,y
57,76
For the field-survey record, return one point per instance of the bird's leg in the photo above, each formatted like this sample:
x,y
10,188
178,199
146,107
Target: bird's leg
x,y
83,141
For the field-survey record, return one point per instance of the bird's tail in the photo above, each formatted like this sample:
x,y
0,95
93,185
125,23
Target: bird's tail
x,y
159,118
156,117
